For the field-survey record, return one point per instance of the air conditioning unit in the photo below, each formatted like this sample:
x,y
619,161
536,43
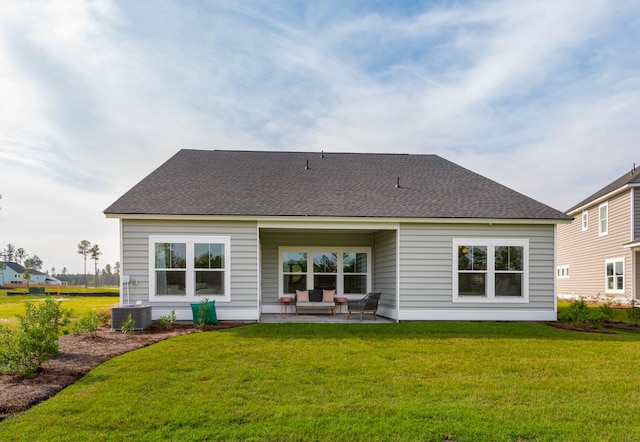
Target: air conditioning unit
x,y
141,315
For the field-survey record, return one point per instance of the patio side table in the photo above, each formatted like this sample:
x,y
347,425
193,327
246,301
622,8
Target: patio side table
x,y
341,302
285,302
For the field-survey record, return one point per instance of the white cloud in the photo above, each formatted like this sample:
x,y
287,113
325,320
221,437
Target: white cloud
x,y
541,96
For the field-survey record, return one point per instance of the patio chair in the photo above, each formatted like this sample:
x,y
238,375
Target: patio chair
x,y
368,304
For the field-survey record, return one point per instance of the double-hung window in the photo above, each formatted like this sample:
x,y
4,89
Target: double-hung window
x,y
189,267
603,212
346,270
490,270
614,269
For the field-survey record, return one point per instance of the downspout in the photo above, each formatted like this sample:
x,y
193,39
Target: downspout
x,y
398,273
555,265
259,267
121,240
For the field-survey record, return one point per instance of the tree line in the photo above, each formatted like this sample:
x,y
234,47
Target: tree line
x,y
109,275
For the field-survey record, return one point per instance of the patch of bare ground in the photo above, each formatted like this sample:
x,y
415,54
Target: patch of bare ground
x,y
78,355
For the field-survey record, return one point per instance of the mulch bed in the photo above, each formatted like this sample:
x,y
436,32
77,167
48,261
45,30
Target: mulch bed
x,y
608,327
78,355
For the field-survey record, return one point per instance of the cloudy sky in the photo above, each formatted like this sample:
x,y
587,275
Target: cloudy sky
x,y
542,96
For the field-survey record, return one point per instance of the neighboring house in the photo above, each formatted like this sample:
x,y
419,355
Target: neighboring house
x,y
599,252
247,228
14,274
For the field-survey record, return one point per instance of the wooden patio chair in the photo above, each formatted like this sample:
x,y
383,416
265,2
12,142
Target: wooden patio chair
x,y
368,304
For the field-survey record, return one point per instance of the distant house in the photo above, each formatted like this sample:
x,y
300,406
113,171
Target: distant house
x,y
246,228
13,273
599,252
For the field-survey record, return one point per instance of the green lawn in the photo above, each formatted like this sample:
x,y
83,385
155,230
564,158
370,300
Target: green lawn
x,y
410,381
10,306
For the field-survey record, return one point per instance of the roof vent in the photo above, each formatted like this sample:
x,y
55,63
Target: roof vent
x,y
322,154
398,183
307,166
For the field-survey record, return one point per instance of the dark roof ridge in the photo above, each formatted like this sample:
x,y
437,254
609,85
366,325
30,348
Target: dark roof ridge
x,y
629,177
356,184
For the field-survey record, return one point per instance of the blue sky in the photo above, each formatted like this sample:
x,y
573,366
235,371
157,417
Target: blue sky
x,y
541,96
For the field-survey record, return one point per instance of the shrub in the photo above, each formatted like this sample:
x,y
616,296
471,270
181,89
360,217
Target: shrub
x,y
167,321
580,314
633,314
128,326
105,316
89,324
607,311
22,351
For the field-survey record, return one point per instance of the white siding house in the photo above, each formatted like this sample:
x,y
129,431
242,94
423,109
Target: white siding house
x,y
247,228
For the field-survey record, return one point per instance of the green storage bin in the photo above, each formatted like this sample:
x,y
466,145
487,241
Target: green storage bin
x,y
204,313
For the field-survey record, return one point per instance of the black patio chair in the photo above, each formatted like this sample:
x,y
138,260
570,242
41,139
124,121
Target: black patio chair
x,y
368,304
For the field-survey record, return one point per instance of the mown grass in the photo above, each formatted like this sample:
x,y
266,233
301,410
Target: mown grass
x,y
410,381
10,306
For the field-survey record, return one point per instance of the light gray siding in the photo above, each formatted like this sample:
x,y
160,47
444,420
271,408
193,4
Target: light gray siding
x,y
271,240
586,252
385,277
243,267
426,266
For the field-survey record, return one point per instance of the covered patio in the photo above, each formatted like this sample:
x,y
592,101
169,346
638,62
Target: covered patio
x,y
278,318
351,258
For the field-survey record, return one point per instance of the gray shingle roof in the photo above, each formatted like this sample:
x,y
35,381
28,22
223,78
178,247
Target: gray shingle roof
x,y
632,177
241,183
14,266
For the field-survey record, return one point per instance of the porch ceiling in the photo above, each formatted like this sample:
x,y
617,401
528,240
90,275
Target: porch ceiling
x,y
322,230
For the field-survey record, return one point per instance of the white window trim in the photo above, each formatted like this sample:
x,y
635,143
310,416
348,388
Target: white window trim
x,y
491,244
600,232
606,278
563,272
340,273
585,220
190,270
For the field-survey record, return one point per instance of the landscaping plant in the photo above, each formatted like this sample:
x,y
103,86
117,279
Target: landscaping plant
x,y
581,315
89,324
634,313
167,321
128,326
607,311
22,351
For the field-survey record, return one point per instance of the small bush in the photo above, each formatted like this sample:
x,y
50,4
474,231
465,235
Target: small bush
x,y
89,324
607,311
633,314
105,316
128,326
22,351
167,321
580,314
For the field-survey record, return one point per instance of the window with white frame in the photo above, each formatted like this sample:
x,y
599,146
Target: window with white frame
x,y
488,270
346,270
603,217
189,267
614,270
563,272
585,220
